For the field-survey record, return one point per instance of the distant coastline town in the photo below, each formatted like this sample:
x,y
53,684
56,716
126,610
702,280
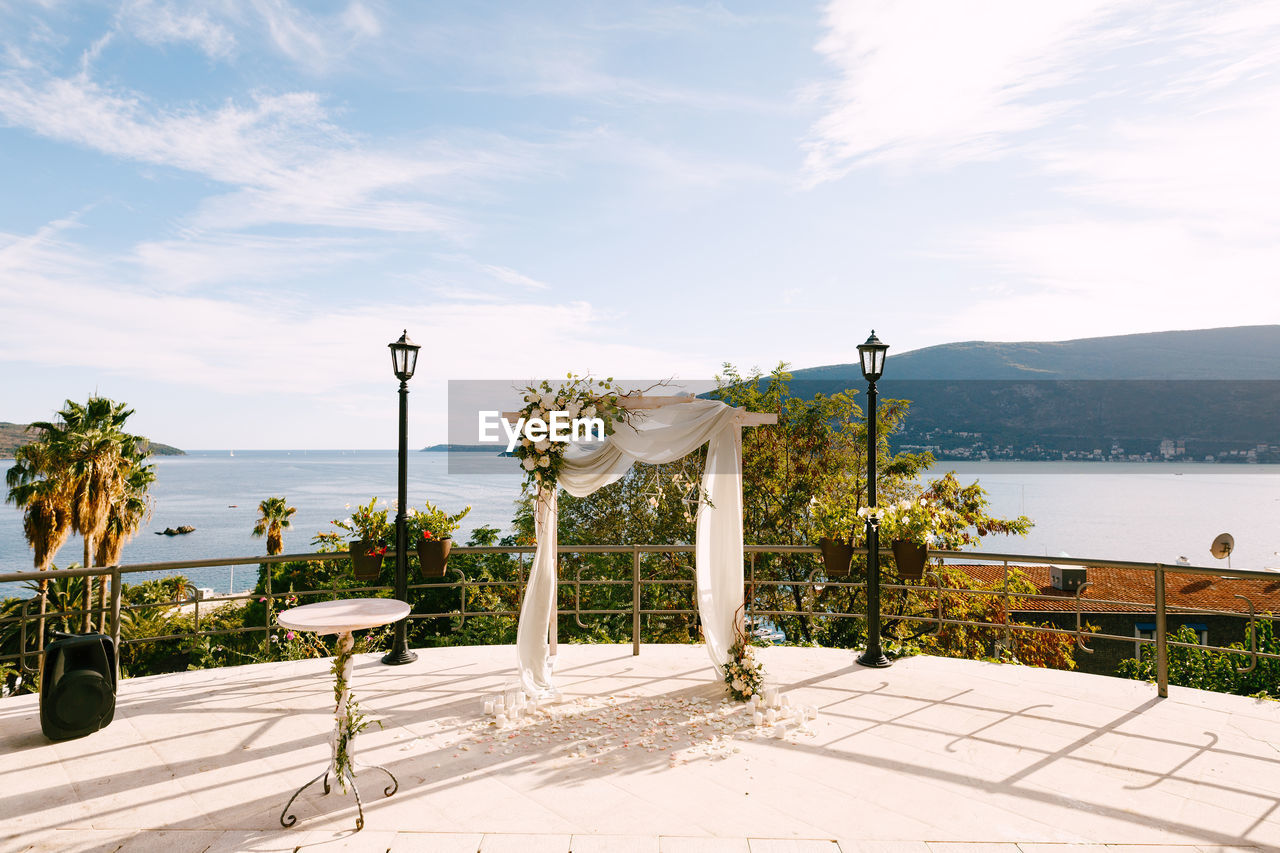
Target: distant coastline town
x,y
976,447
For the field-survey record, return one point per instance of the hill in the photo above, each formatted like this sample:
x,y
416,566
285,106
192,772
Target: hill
x,y
13,436
1241,352
1180,394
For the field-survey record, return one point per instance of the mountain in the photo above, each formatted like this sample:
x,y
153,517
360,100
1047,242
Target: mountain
x,y
1181,394
13,436
1240,352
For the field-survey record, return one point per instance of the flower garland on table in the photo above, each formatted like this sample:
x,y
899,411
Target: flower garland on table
x,y
743,674
577,397
352,722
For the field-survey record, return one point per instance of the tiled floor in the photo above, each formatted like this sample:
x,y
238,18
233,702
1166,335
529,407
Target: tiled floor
x,y
641,757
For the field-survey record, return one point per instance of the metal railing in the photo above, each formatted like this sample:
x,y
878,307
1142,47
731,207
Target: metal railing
x,y
572,586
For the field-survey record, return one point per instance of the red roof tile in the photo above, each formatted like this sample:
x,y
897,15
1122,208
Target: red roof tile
x,y
1116,590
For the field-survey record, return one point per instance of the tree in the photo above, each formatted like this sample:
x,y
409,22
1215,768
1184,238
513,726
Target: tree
x,y
273,519
43,496
128,513
818,449
1221,672
76,471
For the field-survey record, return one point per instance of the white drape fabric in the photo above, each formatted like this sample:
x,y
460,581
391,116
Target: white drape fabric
x,y
655,436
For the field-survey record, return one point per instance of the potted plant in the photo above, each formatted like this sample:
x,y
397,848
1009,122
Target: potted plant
x,y
430,530
370,529
909,525
836,521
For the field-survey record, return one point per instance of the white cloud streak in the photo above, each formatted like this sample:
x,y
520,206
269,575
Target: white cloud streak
x,y
1149,132
160,23
235,344
928,83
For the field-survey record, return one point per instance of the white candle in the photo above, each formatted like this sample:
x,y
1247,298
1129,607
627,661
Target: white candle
x,y
771,716
758,718
786,700
755,701
500,705
502,721
488,707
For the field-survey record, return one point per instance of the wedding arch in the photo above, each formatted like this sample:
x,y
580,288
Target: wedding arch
x,y
661,429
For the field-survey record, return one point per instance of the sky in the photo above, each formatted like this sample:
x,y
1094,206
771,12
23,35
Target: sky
x,y
222,212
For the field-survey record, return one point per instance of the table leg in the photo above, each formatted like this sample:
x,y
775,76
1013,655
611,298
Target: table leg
x,y
342,753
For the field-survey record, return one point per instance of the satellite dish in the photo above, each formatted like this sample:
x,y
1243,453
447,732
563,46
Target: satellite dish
x,y
1222,547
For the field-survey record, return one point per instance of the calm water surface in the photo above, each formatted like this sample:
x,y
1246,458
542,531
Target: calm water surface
x,y
1144,512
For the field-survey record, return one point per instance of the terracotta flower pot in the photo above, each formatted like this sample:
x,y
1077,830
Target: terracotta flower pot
x,y
910,558
433,556
836,556
367,566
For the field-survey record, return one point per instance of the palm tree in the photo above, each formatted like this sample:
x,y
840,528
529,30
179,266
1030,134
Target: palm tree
x,y
128,512
38,490
78,470
100,456
273,519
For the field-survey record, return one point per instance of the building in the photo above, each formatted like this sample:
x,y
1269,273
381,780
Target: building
x,y
1121,602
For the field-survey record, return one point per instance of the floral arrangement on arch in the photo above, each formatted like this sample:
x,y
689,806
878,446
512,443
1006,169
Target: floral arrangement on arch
x,y
577,396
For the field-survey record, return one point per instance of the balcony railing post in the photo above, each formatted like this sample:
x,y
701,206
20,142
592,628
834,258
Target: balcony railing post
x,y
1004,603
266,627
1162,644
22,637
635,600
116,593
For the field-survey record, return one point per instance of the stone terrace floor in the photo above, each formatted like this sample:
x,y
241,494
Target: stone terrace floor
x,y
640,755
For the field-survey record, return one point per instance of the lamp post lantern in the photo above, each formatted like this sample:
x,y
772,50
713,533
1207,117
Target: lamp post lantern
x,y
404,359
871,356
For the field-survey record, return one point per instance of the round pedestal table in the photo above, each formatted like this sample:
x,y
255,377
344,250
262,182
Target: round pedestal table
x,y
342,618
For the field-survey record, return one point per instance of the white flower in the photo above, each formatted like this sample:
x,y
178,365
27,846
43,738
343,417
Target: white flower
x,y
548,400
528,463
544,461
737,685
531,397
589,412
526,442
542,445
574,409
537,414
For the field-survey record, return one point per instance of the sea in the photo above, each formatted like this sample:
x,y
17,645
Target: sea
x,y
1148,512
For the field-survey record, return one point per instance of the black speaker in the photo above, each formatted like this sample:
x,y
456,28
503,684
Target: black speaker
x,y
77,685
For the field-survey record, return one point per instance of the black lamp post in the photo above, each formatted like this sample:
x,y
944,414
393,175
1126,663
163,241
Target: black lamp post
x,y
871,355
404,358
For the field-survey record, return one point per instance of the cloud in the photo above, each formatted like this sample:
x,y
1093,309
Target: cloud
x,y
510,276
157,23
241,259
1144,136
286,161
934,84
238,343
317,43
